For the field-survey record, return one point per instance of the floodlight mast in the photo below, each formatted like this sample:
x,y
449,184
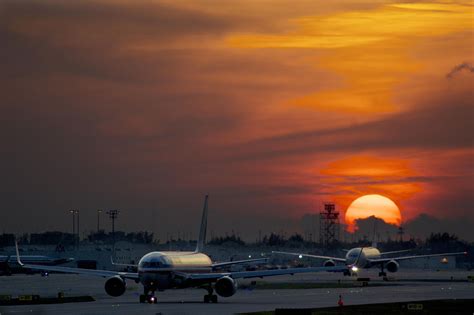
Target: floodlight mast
x,y
113,214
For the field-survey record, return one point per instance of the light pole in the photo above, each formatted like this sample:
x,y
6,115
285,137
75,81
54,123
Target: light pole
x,y
73,212
75,226
78,233
113,214
98,220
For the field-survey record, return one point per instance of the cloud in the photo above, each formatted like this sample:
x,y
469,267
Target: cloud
x,y
375,229
423,225
93,38
444,124
460,67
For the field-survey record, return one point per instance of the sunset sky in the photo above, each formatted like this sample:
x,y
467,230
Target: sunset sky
x,y
271,107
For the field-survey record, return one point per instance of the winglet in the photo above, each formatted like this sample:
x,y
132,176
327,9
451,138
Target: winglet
x,y
203,229
18,254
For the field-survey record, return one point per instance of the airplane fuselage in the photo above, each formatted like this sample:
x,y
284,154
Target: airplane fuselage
x,y
160,270
363,261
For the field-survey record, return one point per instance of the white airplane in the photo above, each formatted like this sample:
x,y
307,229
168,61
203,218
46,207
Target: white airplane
x,y
367,257
167,270
8,264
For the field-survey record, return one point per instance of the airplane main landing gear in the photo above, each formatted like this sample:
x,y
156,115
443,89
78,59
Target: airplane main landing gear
x,y
209,297
382,273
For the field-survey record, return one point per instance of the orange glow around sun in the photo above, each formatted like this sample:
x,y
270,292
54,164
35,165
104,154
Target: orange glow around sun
x,y
373,205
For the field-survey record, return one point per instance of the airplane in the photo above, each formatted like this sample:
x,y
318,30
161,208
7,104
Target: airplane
x,y
367,257
174,270
8,264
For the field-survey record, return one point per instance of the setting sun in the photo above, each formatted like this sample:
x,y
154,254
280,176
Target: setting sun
x,y
373,205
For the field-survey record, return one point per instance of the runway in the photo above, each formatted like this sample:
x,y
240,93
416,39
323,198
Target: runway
x,y
409,285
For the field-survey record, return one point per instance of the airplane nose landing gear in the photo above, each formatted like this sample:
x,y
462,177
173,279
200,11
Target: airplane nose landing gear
x,y
148,297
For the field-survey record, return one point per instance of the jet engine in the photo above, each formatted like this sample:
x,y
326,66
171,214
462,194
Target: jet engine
x,y
392,266
115,286
226,286
329,263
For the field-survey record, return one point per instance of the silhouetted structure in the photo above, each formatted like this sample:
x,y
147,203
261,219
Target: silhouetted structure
x,y
98,220
401,231
75,226
329,225
113,214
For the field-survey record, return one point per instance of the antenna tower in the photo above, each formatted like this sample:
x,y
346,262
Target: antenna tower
x,y
329,225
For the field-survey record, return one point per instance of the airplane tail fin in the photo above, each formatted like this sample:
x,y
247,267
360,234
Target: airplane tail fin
x,y
203,229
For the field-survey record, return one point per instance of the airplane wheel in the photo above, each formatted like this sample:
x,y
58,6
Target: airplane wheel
x,y
142,298
382,274
206,298
214,298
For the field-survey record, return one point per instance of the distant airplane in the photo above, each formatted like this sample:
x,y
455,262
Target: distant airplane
x,y
9,264
167,270
367,257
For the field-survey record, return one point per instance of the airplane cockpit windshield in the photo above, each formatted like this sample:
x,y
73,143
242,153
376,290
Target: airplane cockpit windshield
x,y
153,262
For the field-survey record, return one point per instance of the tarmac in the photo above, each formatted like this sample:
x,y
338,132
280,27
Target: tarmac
x,y
406,285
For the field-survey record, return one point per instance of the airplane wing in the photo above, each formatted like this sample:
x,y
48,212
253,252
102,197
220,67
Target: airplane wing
x,y
311,256
91,272
122,265
384,260
212,276
236,262
396,252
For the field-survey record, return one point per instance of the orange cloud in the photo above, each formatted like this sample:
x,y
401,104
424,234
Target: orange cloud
x,y
370,50
366,165
360,175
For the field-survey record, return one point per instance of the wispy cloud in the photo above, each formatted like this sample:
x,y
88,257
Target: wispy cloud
x,y
460,67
